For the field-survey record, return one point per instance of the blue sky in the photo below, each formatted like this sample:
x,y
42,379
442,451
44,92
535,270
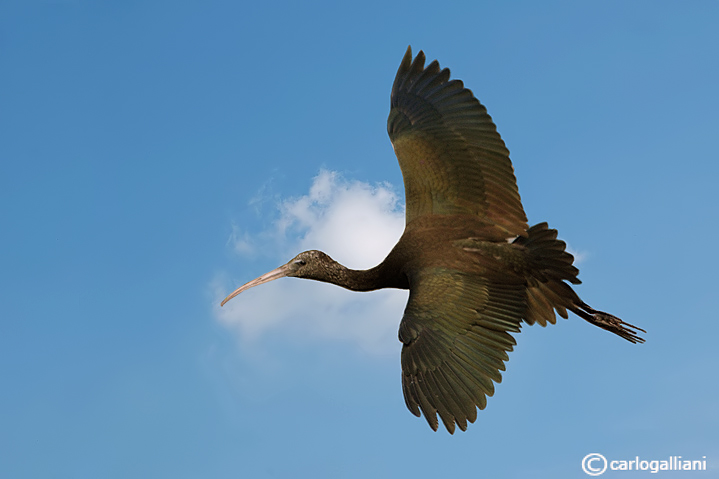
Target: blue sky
x,y
155,155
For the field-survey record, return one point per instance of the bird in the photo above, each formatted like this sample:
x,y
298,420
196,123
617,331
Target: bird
x,y
474,268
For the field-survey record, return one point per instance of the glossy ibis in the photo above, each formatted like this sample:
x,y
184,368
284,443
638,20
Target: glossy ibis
x,y
473,267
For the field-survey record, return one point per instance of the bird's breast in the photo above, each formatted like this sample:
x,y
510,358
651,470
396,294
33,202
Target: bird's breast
x,y
459,242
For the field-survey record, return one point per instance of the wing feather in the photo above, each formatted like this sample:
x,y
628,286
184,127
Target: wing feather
x,y
456,337
453,160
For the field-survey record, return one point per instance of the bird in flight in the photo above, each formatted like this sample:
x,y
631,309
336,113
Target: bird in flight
x,y
474,268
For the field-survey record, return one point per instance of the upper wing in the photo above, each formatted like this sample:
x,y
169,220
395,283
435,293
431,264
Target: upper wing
x,y
456,337
453,160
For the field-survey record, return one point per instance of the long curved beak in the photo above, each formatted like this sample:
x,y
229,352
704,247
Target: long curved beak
x,y
280,272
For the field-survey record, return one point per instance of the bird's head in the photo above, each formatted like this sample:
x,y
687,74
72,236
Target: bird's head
x,y
308,264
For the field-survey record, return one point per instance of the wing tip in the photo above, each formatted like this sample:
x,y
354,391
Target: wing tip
x,y
407,55
408,68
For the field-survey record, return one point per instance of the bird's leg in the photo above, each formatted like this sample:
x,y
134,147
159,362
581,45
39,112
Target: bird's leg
x,y
608,322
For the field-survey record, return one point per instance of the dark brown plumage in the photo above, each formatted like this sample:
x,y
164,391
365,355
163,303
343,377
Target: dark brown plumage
x,y
474,268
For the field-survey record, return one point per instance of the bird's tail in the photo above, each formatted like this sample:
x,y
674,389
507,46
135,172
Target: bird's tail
x,y
548,291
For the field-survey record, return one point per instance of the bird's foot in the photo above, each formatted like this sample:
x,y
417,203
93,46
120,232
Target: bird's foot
x,y
613,324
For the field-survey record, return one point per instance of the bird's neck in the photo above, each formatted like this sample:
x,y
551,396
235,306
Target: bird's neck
x,y
381,276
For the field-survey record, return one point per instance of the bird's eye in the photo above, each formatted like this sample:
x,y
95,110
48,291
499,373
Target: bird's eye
x,y
300,262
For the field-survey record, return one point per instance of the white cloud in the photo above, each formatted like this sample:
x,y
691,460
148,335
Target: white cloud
x,y
355,223
242,242
579,256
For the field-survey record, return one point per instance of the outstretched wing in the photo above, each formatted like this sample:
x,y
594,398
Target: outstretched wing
x,y
453,160
456,337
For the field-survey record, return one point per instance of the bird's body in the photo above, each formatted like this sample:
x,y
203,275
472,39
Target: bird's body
x,y
474,269
422,239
